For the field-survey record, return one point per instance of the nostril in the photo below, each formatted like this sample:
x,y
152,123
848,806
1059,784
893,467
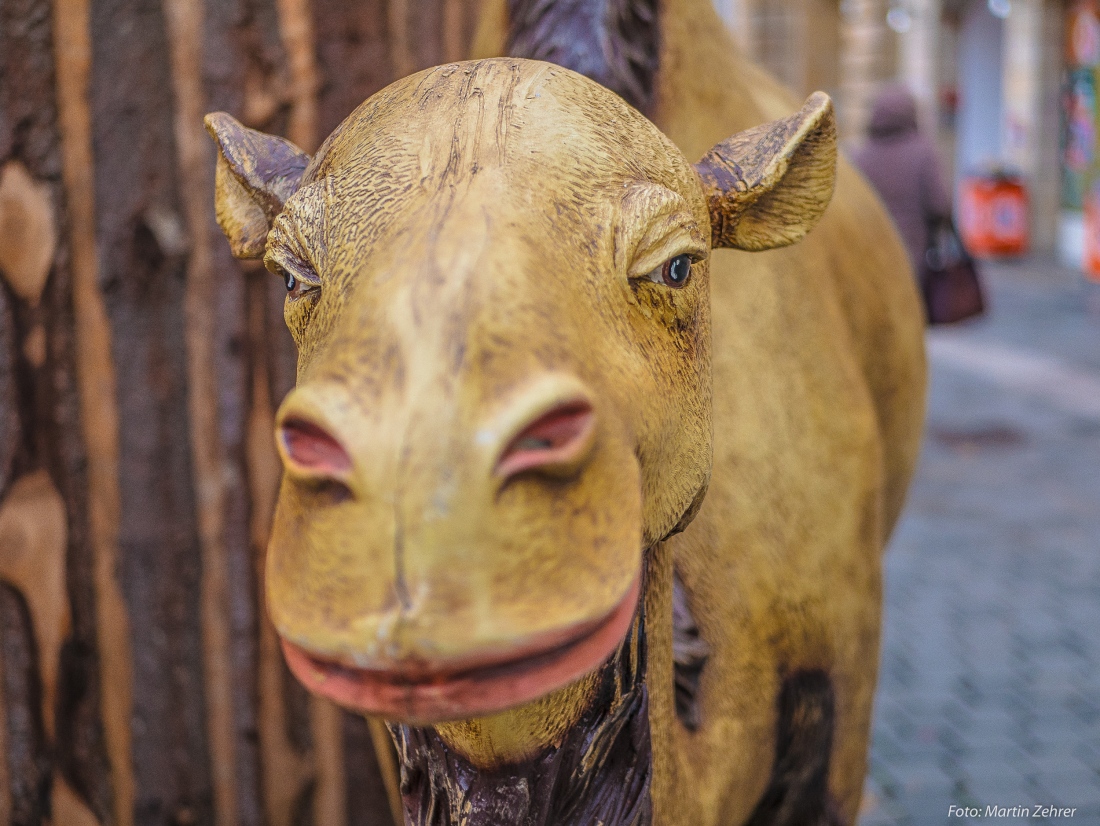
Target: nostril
x,y
557,441
312,449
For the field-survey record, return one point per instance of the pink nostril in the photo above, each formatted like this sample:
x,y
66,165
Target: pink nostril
x,y
312,449
555,441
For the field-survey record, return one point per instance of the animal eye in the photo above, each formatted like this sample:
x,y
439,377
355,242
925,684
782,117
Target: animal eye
x,y
676,271
299,281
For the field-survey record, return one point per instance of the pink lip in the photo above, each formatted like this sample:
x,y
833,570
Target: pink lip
x,y
417,692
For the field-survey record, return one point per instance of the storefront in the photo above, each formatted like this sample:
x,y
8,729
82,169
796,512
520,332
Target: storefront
x,y
1001,75
1079,238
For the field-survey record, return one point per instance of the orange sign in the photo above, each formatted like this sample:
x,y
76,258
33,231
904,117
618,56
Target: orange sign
x,y
993,219
1092,237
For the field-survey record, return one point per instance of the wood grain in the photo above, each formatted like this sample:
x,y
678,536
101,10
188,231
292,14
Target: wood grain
x,y
144,250
164,600
454,45
286,771
330,797
5,772
245,71
296,29
387,766
402,61
66,807
27,755
354,55
33,539
96,382
185,24
28,232
10,429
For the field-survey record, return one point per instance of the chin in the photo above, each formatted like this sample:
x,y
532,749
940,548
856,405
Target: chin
x,y
477,685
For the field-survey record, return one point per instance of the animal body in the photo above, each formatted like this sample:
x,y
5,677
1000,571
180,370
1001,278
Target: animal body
x,y
504,524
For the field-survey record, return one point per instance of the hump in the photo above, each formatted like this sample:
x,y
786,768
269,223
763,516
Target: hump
x,y
614,42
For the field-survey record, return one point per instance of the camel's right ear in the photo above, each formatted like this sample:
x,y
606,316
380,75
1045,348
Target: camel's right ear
x,y
255,176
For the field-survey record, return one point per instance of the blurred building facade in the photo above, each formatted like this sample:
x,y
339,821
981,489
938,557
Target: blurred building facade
x,y
1006,86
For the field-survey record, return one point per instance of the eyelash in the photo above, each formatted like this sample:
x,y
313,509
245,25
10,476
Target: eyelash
x,y
296,285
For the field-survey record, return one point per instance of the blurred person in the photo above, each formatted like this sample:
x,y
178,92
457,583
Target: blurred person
x,y
904,168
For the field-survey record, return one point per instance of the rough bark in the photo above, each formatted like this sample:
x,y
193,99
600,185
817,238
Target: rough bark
x,y
39,431
140,368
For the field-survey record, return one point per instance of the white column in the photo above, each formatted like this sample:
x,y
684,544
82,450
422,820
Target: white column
x,y
1030,123
1022,59
868,57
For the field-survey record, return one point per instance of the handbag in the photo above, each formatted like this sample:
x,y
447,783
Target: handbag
x,y
949,280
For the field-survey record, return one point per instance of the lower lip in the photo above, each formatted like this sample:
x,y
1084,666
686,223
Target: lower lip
x,y
458,694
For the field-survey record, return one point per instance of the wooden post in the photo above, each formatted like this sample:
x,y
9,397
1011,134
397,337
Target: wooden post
x,y
140,367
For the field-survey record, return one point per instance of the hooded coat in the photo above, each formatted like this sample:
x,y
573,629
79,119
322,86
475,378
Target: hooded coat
x,y
904,169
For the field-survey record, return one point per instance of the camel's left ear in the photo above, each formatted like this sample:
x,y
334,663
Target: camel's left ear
x,y
766,187
255,176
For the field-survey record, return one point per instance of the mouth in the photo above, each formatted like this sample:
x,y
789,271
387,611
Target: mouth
x,y
418,692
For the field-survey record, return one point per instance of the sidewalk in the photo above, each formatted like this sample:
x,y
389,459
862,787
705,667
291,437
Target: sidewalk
x,y
989,686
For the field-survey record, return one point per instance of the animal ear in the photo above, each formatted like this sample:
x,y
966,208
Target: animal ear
x,y
766,187
255,176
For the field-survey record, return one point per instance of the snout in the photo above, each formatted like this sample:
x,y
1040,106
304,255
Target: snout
x,y
557,441
477,560
477,684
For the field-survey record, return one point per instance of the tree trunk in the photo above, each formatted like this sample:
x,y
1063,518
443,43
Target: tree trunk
x,y
140,367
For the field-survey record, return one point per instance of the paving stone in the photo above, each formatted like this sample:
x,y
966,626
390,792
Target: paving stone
x,y
989,687
999,753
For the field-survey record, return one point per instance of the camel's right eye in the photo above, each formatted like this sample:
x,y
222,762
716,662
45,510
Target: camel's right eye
x,y
676,271
299,280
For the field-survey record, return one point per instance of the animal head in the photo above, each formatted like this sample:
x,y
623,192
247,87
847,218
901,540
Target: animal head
x,y
497,279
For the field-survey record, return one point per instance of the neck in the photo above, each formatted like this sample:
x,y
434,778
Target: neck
x,y
600,773
614,42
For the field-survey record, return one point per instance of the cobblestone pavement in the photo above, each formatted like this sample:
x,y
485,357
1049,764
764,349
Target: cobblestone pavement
x,y
989,692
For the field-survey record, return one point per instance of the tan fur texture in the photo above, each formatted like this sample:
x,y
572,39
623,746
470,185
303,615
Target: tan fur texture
x,y
482,238
819,386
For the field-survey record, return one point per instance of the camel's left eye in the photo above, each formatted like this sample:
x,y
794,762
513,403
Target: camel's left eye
x,y
299,280
675,272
